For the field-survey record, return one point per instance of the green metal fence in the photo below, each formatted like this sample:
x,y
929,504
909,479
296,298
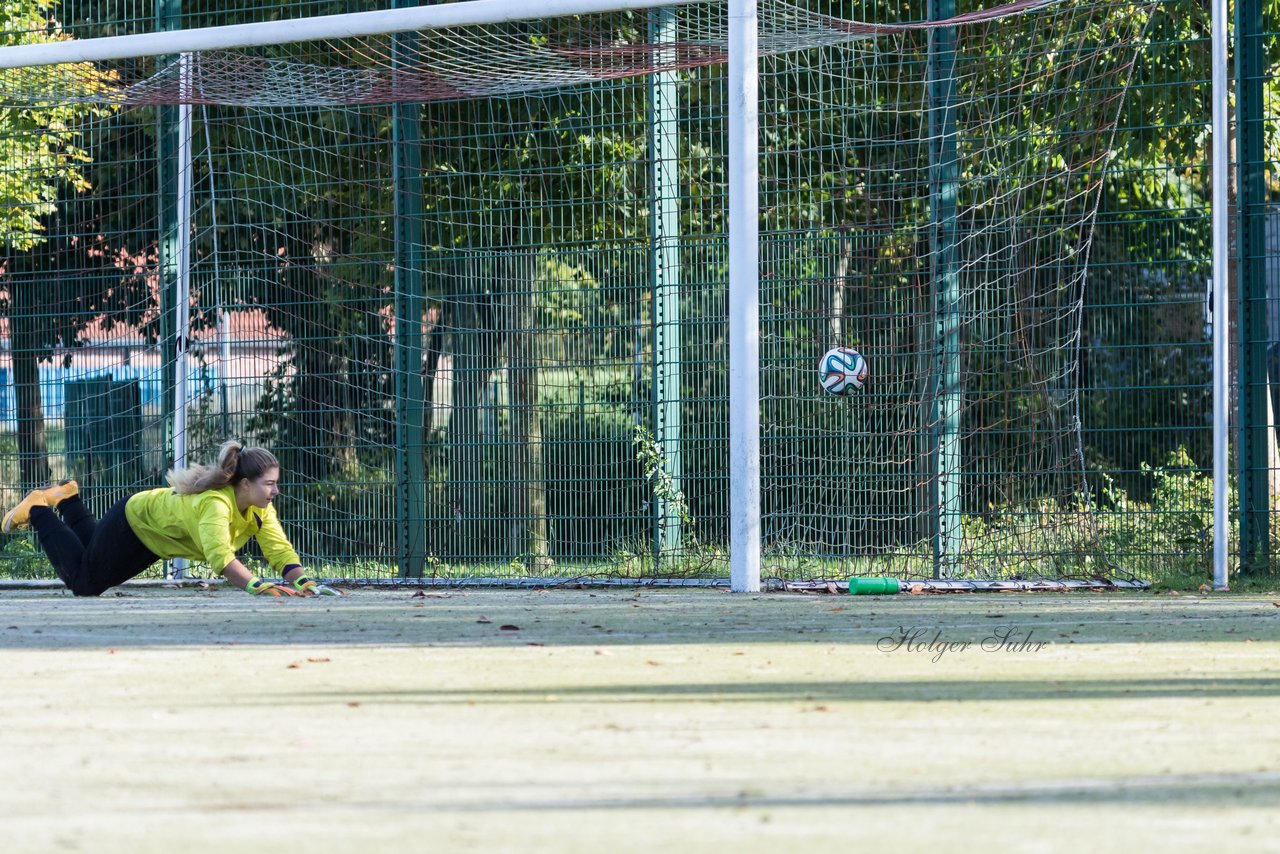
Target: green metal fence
x,y
486,336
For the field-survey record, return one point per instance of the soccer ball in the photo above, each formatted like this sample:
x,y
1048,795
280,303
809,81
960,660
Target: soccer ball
x,y
842,370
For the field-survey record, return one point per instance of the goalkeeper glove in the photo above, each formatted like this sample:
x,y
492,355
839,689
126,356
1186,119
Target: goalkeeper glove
x,y
258,587
309,587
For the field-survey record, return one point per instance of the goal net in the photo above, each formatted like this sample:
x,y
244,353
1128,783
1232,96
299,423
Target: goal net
x,y
470,284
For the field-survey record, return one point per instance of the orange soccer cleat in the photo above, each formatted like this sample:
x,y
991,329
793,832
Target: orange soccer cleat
x,y
59,492
20,516
46,496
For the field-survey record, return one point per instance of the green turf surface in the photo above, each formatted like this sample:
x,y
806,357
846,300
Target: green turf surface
x,y
186,720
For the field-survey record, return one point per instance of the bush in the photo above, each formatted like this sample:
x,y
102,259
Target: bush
x,y
21,558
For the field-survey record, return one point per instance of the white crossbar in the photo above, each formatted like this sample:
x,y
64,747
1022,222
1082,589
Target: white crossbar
x,y
350,25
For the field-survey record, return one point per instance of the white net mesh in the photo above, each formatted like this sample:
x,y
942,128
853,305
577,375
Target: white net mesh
x,y
932,210
453,62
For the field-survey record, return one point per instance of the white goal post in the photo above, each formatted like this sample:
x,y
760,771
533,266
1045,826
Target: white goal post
x,y
1221,303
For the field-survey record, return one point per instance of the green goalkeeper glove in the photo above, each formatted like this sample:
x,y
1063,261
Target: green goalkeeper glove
x,y
310,587
258,587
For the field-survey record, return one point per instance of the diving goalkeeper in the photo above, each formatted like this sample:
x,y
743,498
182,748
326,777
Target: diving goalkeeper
x,y
207,513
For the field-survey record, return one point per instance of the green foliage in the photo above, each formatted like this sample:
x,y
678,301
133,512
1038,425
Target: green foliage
x,y
579,319
596,497
1170,534
654,465
21,558
1183,501
342,518
1168,106
41,147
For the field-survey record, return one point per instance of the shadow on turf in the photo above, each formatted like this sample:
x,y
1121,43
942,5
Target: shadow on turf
x,y
907,691
912,631
1203,790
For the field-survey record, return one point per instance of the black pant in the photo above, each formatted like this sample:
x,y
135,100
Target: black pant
x,y
90,556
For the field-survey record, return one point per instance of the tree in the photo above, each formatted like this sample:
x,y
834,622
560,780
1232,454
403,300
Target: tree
x,y
45,164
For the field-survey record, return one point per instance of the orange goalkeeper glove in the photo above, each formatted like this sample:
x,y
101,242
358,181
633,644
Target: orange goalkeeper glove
x,y
310,587
258,587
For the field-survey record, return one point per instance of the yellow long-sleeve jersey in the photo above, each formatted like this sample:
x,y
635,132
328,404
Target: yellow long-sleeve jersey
x,y
206,527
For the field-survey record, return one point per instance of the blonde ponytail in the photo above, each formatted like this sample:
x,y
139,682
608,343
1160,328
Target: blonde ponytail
x,y
235,463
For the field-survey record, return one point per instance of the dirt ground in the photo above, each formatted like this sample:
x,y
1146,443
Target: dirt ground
x,y
575,720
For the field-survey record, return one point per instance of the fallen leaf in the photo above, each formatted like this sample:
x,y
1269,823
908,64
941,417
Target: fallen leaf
x,y
295,665
484,620
831,588
508,627
317,660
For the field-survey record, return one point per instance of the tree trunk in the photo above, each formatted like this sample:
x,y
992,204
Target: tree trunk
x,y
475,348
528,478
430,369
319,430
33,451
835,310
